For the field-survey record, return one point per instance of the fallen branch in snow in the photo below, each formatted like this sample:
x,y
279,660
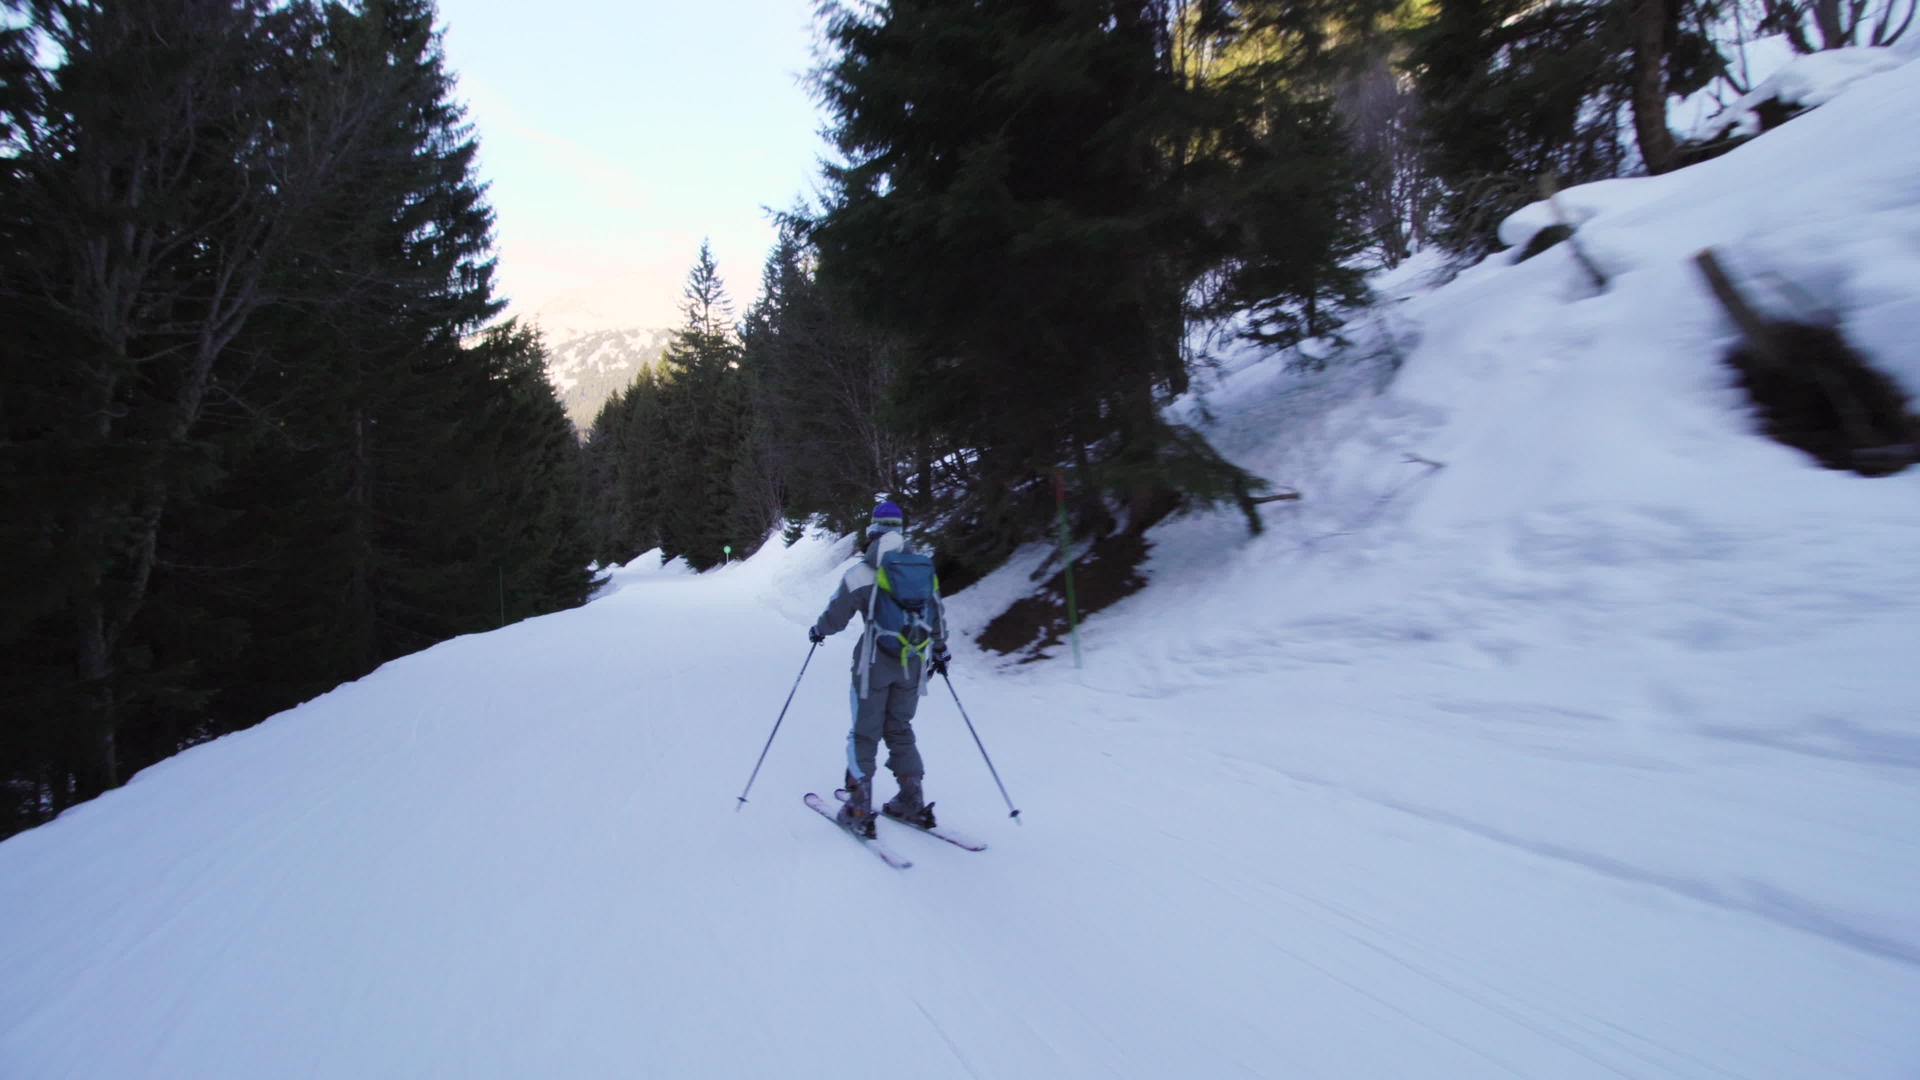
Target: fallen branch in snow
x,y
1288,494
1814,392
1762,342
1550,191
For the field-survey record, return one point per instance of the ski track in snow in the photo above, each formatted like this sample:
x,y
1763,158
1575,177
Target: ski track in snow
x,y
1184,896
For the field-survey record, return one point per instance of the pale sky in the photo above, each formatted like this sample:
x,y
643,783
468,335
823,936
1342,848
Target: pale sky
x,y
618,133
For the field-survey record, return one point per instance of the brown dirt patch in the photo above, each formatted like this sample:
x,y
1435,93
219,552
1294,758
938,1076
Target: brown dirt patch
x,y
1105,574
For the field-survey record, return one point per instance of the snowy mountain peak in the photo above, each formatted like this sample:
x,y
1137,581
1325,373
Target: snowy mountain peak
x,y
609,306
597,340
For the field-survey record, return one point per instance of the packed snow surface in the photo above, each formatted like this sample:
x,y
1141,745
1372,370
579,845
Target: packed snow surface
x,y
1564,729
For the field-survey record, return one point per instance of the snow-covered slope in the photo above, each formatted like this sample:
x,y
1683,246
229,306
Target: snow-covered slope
x,y
1564,729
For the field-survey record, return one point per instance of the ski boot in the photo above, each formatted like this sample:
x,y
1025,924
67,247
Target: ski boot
x,y
856,814
909,806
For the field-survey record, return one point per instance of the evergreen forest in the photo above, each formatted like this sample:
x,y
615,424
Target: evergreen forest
x,y
263,428
260,432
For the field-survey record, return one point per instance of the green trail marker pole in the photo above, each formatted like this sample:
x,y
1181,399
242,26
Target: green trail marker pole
x,y
1066,557
726,553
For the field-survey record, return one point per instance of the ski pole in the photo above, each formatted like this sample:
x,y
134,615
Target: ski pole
x,y
776,725
983,749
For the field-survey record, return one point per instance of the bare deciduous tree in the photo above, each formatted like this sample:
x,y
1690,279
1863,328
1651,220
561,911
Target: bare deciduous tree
x,y
1838,24
1379,109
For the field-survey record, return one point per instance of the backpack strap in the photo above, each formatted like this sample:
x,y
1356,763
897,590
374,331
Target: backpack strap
x,y
870,637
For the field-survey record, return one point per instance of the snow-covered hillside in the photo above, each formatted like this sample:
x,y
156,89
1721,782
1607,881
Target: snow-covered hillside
x,y
1564,729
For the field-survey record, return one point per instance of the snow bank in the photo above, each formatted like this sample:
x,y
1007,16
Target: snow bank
x,y
1803,83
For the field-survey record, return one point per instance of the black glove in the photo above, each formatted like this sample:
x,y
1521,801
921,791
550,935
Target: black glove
x,y
940,661
814,635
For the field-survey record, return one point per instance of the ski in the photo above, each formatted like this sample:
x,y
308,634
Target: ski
x,y
960,840
886,856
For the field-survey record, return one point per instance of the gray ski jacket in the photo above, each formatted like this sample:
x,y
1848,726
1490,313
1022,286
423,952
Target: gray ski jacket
x,y
856,594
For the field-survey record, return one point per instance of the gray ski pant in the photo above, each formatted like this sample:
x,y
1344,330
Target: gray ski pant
x,y
886,713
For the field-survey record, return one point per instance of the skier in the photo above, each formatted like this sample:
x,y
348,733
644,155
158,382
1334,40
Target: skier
x,y
903,646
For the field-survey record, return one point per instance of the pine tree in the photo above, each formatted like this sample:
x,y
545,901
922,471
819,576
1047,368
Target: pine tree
x,y
1027,196
703,426
602,451
509,527
150,189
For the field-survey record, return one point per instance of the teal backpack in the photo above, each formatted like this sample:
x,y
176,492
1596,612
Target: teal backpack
x,y
903,592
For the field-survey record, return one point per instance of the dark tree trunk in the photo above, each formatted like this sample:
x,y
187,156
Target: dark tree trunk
x,y
1649,20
